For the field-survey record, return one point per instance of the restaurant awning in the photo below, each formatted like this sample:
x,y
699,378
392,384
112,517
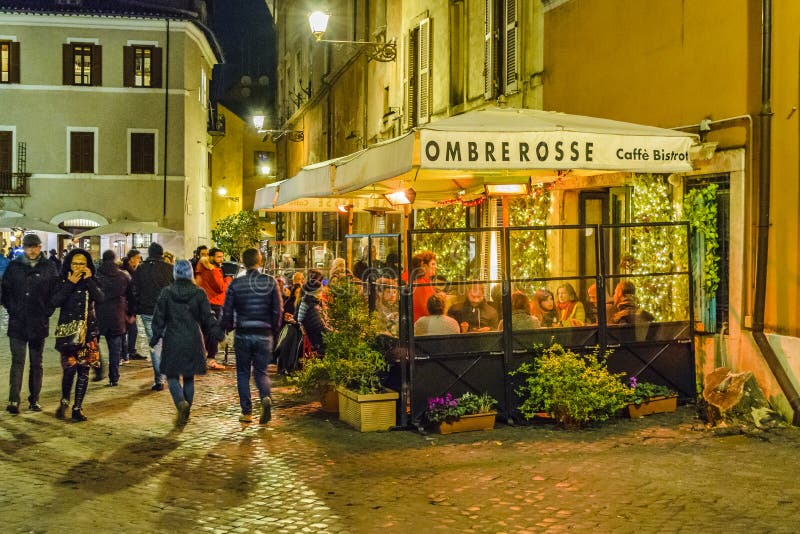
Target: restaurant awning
x,y
488,146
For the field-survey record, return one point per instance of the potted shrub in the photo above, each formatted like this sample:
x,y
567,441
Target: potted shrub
x,y
363,402
577,390
316,379
646,398
463,414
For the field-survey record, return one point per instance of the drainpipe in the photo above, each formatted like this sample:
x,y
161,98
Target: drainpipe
x,y
166,123
765,122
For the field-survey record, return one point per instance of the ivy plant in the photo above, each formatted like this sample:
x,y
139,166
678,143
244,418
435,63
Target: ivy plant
x,y
700,209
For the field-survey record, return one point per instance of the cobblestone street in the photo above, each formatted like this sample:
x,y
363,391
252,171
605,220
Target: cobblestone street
x,y
128,470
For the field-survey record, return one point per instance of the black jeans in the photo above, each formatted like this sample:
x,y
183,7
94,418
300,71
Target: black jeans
x,y
212,345
129,341
35,349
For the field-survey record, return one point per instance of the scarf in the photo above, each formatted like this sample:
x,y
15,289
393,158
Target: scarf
x,y
565,310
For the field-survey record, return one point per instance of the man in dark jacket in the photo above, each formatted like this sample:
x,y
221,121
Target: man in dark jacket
x,y
253,306
113,310
130,263
153,275
26,290
473,313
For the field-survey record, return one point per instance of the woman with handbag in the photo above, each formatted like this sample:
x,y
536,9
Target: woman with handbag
x,y
183,317
76,333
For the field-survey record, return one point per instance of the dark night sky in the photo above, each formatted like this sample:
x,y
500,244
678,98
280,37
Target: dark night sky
x,y
245,31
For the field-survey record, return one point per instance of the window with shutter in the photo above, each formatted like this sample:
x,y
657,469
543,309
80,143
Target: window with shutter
x,y
411,78
488,50
510,67
6,154
424,72
81,153
143,153
5,61
82,64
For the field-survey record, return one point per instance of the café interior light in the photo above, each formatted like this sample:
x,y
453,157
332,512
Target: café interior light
x,y
496,190
404,196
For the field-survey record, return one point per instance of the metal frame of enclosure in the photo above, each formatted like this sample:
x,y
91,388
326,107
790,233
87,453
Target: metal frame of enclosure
x,y
499,258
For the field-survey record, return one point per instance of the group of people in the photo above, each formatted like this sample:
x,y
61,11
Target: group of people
x,y
183,322
473,313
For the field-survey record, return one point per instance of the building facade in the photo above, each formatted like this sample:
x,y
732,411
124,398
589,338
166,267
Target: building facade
x,y
104,111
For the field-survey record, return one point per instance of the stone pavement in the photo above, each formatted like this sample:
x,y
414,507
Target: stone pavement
x,y
128,470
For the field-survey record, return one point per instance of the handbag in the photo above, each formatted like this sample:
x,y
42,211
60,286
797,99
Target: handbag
x,y
71,339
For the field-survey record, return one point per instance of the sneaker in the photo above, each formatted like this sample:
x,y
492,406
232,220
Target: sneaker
x,y
246,418
61,412
113,384
266,411
183,413
137,356
157,387
35,407
212,364
124,361
13,408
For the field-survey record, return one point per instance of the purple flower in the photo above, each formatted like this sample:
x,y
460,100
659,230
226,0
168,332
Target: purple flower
x,y
633,382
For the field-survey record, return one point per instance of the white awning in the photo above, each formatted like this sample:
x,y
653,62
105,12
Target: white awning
x,y
492,145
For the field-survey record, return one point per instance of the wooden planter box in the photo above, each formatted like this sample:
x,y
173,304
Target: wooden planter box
x,y
328,399
468,423
368,413
654,405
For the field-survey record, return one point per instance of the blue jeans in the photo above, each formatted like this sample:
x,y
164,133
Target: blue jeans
x,y
253,351
115,342
155,352
180,393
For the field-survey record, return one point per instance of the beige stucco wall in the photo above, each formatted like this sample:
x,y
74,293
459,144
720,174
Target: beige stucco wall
x,y
42,109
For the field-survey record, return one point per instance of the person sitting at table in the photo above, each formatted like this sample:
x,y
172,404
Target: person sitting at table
x,y
436,322
570,309
521,318
591,304
473,313
386,308
625,309
543,308
423,272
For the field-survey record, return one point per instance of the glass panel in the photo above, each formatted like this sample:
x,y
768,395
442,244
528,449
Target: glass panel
x,y
82,58
5,50
142,67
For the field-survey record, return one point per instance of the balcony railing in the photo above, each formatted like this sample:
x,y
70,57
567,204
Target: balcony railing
x,y
14,183
216,122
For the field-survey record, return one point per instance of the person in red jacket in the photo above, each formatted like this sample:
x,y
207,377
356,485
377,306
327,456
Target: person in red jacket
x,y
211,280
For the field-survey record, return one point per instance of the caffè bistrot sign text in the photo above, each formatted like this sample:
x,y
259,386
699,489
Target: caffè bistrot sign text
x,y
553,150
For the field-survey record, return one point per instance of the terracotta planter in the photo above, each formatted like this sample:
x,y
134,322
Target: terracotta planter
x,y
328,399
368,413
654,405
468,423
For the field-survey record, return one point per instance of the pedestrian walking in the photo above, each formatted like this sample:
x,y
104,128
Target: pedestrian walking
x,y
55,259
253,308
153,275
27,287
77,335
212,280
113,310
130,263
183,318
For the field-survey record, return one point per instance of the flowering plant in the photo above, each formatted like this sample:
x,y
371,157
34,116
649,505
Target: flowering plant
x,y
640,392
448,408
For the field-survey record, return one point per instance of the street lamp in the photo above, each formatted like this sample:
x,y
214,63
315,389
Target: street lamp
x,y
258,121
379,51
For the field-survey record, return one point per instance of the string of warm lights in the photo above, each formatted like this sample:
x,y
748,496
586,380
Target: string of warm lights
x,y
466,203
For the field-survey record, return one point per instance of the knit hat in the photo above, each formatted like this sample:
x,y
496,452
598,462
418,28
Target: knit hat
x,y
183,270
155,250
313,281
31,240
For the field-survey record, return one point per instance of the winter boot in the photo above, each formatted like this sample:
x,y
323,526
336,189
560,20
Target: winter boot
x,y
81,386
61,412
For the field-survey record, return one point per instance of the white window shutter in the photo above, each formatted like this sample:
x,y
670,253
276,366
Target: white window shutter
x,y
510,64
424,63
488,50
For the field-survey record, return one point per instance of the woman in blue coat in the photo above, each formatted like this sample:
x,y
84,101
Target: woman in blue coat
x,y
182,317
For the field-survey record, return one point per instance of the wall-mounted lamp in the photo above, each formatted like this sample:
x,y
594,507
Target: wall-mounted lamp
x,y
258,121
378,51
499,190
404,196
264,170
223,192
